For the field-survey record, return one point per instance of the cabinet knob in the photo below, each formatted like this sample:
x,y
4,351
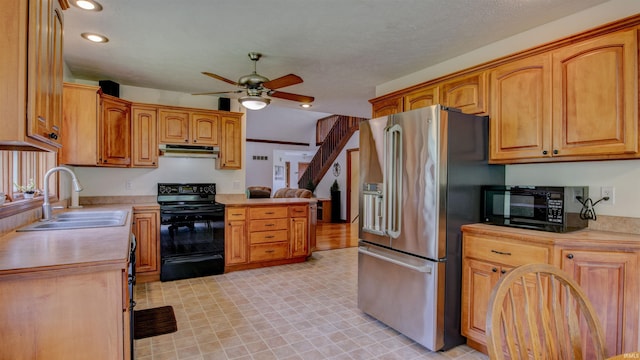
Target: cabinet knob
x,y
544,152
186,140
195,141
555,152
53,136
494,269
503,271
569,256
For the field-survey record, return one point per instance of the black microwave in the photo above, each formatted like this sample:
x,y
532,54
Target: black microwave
x,y
547,208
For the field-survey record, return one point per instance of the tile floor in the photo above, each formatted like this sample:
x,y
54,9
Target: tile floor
x,y
303,311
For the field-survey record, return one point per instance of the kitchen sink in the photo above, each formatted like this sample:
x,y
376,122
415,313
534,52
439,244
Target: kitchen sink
x,y
80,220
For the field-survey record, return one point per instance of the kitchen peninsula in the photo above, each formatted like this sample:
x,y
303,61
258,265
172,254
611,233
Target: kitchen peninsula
x,y
267,232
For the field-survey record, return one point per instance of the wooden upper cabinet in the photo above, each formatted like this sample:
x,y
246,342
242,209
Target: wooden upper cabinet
x,y
205,129
595,96
45,72
31,69
183,126
520,123
387,107
174,126
81,112
145,136
230,143
467,93
421,98
115,127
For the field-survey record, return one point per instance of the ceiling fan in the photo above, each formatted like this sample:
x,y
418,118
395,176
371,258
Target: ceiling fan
x,y
256,86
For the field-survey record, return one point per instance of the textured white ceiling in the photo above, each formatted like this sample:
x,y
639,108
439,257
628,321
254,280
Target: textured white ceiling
x,y
341,48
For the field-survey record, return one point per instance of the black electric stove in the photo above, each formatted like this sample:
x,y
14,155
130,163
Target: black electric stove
x,y
191,231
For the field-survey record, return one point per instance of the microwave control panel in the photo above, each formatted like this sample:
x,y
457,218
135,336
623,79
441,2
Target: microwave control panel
x,y
554,211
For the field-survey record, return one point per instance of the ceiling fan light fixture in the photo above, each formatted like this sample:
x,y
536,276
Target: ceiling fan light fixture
x,y
254,102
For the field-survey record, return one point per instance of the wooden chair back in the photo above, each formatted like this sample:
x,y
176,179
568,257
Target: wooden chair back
x,y
536,311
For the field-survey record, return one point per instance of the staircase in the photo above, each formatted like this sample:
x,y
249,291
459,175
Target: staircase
x,y
331,147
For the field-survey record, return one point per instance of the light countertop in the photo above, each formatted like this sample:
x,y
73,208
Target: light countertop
x,y
55,249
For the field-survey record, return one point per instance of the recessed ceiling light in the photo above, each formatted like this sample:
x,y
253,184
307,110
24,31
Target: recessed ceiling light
x,y
306,106
97,38
87,5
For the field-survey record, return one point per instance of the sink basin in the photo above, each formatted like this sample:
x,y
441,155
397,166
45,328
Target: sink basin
x,y
80,220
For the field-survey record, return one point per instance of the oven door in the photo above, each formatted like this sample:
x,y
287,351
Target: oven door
x,y
191,241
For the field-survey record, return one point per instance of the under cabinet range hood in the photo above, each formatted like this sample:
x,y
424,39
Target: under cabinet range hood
x,y
189,151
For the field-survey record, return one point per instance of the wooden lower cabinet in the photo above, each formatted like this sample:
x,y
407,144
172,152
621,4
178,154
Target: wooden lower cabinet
x,y
484,259
299,230
146,228
266,235
605,264
235,236
76,313
610,280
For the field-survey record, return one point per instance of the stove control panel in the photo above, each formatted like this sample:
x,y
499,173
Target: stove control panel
x,y
186,189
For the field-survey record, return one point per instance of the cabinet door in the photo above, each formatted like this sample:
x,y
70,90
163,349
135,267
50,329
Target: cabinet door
x,y
479,278
298,236
174,127
467,93
145,228
235,243
145,136
205,129
116,133
595,96
45,71
421,98
610,280
231,143
386,107
81,109
520,112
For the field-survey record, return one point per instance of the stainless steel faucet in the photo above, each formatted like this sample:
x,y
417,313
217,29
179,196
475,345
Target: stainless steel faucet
x,y
46,206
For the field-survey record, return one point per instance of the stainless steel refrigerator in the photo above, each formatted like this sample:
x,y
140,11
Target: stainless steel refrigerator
x,y
420,178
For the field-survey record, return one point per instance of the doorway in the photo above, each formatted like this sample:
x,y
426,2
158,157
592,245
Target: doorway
x,y
353,180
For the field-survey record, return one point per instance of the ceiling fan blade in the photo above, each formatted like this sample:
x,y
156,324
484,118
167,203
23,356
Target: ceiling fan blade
x,y
220,78
219,92
292,97
283,81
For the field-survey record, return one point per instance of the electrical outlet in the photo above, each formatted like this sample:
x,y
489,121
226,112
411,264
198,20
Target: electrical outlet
x,y
610,192
128,185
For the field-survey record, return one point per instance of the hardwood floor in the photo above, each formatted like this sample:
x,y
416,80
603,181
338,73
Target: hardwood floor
x,y
336,236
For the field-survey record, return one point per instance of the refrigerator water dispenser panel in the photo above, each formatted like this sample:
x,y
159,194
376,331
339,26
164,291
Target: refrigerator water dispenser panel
x,y
373,209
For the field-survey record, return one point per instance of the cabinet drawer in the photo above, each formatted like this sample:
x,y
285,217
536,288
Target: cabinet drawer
x,y
272,251
269,224
268,212
504,251
236,213
298,211
268,236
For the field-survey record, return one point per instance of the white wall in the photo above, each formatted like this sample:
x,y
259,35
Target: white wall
x,y
623,175
260,172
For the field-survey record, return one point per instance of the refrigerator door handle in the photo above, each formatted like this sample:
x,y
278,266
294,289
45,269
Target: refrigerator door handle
x,y
423,269
393,185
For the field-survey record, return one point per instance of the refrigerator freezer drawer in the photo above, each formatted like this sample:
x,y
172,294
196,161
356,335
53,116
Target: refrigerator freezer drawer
x,y
402,292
